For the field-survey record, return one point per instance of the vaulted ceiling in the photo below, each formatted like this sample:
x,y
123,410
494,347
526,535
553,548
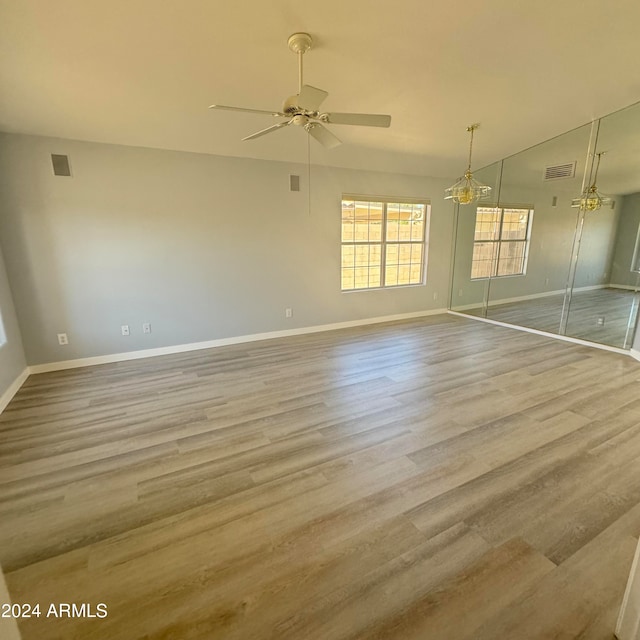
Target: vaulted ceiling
x,y
142,72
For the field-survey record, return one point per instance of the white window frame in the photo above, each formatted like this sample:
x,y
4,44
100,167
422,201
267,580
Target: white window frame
x,y
500,241
385,201
635,261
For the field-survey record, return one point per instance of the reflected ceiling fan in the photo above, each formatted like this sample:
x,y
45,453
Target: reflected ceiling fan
x,y
303,109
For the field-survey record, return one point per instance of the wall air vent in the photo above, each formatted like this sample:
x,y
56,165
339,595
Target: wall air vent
x,y
560,171
60,165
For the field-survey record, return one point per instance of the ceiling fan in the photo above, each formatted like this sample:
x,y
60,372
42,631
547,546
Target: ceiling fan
x,y
303,109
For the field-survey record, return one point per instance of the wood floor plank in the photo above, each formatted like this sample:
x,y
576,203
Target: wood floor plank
x,y
488,585
579,599
383,592
435,477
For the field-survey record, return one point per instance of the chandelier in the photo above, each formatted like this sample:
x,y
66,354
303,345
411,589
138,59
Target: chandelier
x,y
467,189
591,199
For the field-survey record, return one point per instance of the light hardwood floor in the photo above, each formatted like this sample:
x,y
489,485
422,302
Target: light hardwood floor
x,y
437,478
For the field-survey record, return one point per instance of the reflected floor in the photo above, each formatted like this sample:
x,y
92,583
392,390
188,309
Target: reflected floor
x,y
614,306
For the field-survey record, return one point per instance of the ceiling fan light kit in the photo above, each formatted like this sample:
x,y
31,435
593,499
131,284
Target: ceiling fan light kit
x,y
303,109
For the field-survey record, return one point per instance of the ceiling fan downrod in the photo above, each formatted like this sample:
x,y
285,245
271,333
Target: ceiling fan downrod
x,y
300,43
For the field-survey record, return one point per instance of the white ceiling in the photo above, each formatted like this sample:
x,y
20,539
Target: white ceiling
x,y
142,72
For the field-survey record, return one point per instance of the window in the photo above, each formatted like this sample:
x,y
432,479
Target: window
x,y
383,242
501,242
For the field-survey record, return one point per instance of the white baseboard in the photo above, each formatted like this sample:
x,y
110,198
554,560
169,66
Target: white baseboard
x,y
209,344
547,334
635,354
7,396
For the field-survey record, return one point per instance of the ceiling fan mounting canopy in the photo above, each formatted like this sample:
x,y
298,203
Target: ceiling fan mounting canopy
x,y
300,42
303,109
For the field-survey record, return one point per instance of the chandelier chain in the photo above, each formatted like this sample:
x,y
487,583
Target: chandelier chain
x,y
472,128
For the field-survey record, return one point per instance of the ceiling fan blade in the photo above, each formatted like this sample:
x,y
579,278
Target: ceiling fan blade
x,y
361,119
310,98
322,135
273,127
262,111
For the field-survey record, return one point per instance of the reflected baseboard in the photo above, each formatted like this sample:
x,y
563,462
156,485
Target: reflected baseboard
x,y
543,294
626,287
547,334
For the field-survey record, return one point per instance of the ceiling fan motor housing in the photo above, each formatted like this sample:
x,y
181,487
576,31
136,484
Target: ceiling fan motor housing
x,y
290,105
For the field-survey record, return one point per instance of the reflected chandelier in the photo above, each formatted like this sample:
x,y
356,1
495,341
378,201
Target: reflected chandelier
x,y
467,189
591,199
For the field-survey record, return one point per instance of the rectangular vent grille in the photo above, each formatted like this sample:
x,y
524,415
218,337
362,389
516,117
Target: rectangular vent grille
x,y
560,171
60,165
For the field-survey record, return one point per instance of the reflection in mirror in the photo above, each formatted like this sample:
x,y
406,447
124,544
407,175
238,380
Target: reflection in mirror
x,y
530,258
604,299
538,185
469,288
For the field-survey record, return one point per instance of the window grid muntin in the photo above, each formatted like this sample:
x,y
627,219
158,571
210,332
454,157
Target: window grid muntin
x,y
496,261
415,270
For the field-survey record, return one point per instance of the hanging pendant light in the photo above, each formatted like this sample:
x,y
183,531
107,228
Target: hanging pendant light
x,y
592,199
467,189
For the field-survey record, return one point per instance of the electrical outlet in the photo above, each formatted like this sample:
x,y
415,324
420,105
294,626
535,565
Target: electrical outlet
x,y
435,295
125,329
600,321
146,327
288,312
546,280
63,339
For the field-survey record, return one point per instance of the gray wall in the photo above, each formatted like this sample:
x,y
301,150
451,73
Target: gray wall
x,y
597,248
202,247
621,273
12,357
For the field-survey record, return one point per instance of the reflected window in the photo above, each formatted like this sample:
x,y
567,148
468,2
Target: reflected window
x,y
635,261
383,243
501,242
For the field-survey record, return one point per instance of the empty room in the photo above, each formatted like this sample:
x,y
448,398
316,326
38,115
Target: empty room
x,y
319,322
